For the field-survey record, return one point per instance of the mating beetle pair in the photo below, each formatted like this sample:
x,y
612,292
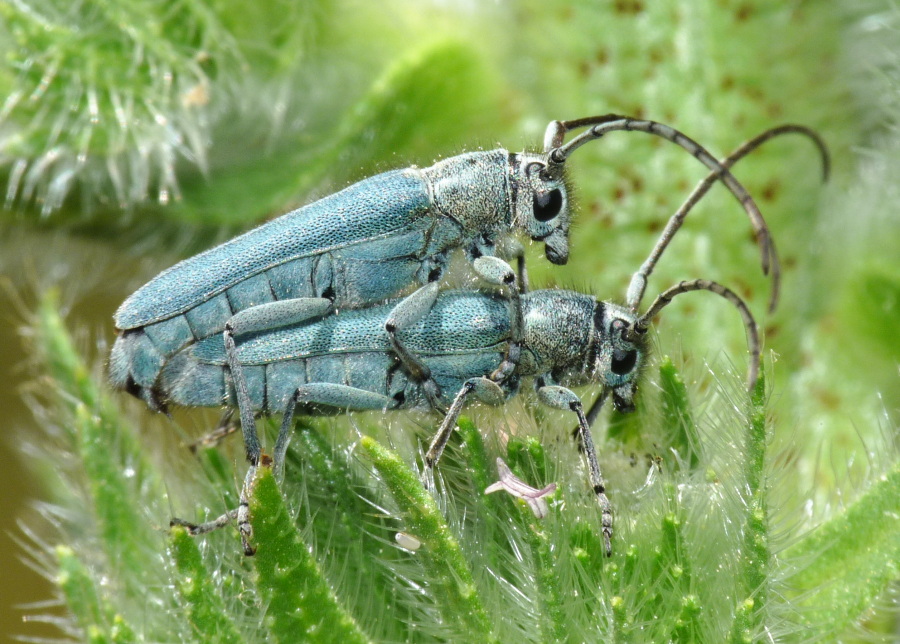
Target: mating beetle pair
x,y
255,321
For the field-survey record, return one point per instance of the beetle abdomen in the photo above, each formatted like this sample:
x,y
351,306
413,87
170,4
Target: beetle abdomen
x,y
387,205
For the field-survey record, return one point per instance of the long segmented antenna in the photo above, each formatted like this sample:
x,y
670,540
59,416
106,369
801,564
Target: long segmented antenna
x,y
602,125
663,299
639,280
556,130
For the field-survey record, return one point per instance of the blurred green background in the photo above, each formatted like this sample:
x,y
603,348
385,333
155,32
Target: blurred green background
x,y
135,133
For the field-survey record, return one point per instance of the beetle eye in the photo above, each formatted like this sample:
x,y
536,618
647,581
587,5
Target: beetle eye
x,y
623,361
547,204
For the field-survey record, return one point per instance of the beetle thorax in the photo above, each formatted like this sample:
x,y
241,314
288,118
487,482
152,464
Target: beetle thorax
x,y
558,329
472,189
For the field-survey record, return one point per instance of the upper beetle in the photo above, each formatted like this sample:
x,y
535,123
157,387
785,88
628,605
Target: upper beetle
x,y
370,241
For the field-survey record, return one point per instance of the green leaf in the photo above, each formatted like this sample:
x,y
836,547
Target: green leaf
x,y
444,82
93,613
452,582
755,555
845,564
553,623
298,601
206,612
114,463
677,417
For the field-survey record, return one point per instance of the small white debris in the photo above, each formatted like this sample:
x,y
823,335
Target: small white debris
x,y
407,541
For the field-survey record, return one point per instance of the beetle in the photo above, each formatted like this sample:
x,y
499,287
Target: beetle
x,y
344,362
179,368
372,240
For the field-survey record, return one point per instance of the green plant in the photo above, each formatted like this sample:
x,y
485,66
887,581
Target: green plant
x,y
708,545
696,545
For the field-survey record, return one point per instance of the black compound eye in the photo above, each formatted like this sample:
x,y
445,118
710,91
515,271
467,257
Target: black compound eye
x,y
547,204
623,361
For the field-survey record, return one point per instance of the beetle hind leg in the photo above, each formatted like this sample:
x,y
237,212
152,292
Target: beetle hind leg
x,y
315,395
324,394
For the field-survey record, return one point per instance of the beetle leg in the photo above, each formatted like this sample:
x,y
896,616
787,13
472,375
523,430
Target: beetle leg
x,y
241,513
259,318
245,408
562,398
320,394
273,315
522,271
407,313
513,249
263,317
596,407
251,440
485,390
227,425
497,271
324,394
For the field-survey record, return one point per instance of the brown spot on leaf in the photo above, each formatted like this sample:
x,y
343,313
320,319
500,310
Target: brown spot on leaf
x,y
829,399
770,190
628,7
743,13
584,69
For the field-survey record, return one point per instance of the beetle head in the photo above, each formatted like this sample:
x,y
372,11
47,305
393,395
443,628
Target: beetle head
x,y
542,204
618,355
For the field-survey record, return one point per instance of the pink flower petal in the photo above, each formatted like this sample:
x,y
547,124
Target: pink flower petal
x,y
520,489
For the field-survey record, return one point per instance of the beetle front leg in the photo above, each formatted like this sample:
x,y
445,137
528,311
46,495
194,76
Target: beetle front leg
x,y
512,249
596,408
562,398
591,417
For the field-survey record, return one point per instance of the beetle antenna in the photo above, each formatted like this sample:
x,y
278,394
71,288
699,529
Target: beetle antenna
x,y
602,125
639,280
556,130
641,325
